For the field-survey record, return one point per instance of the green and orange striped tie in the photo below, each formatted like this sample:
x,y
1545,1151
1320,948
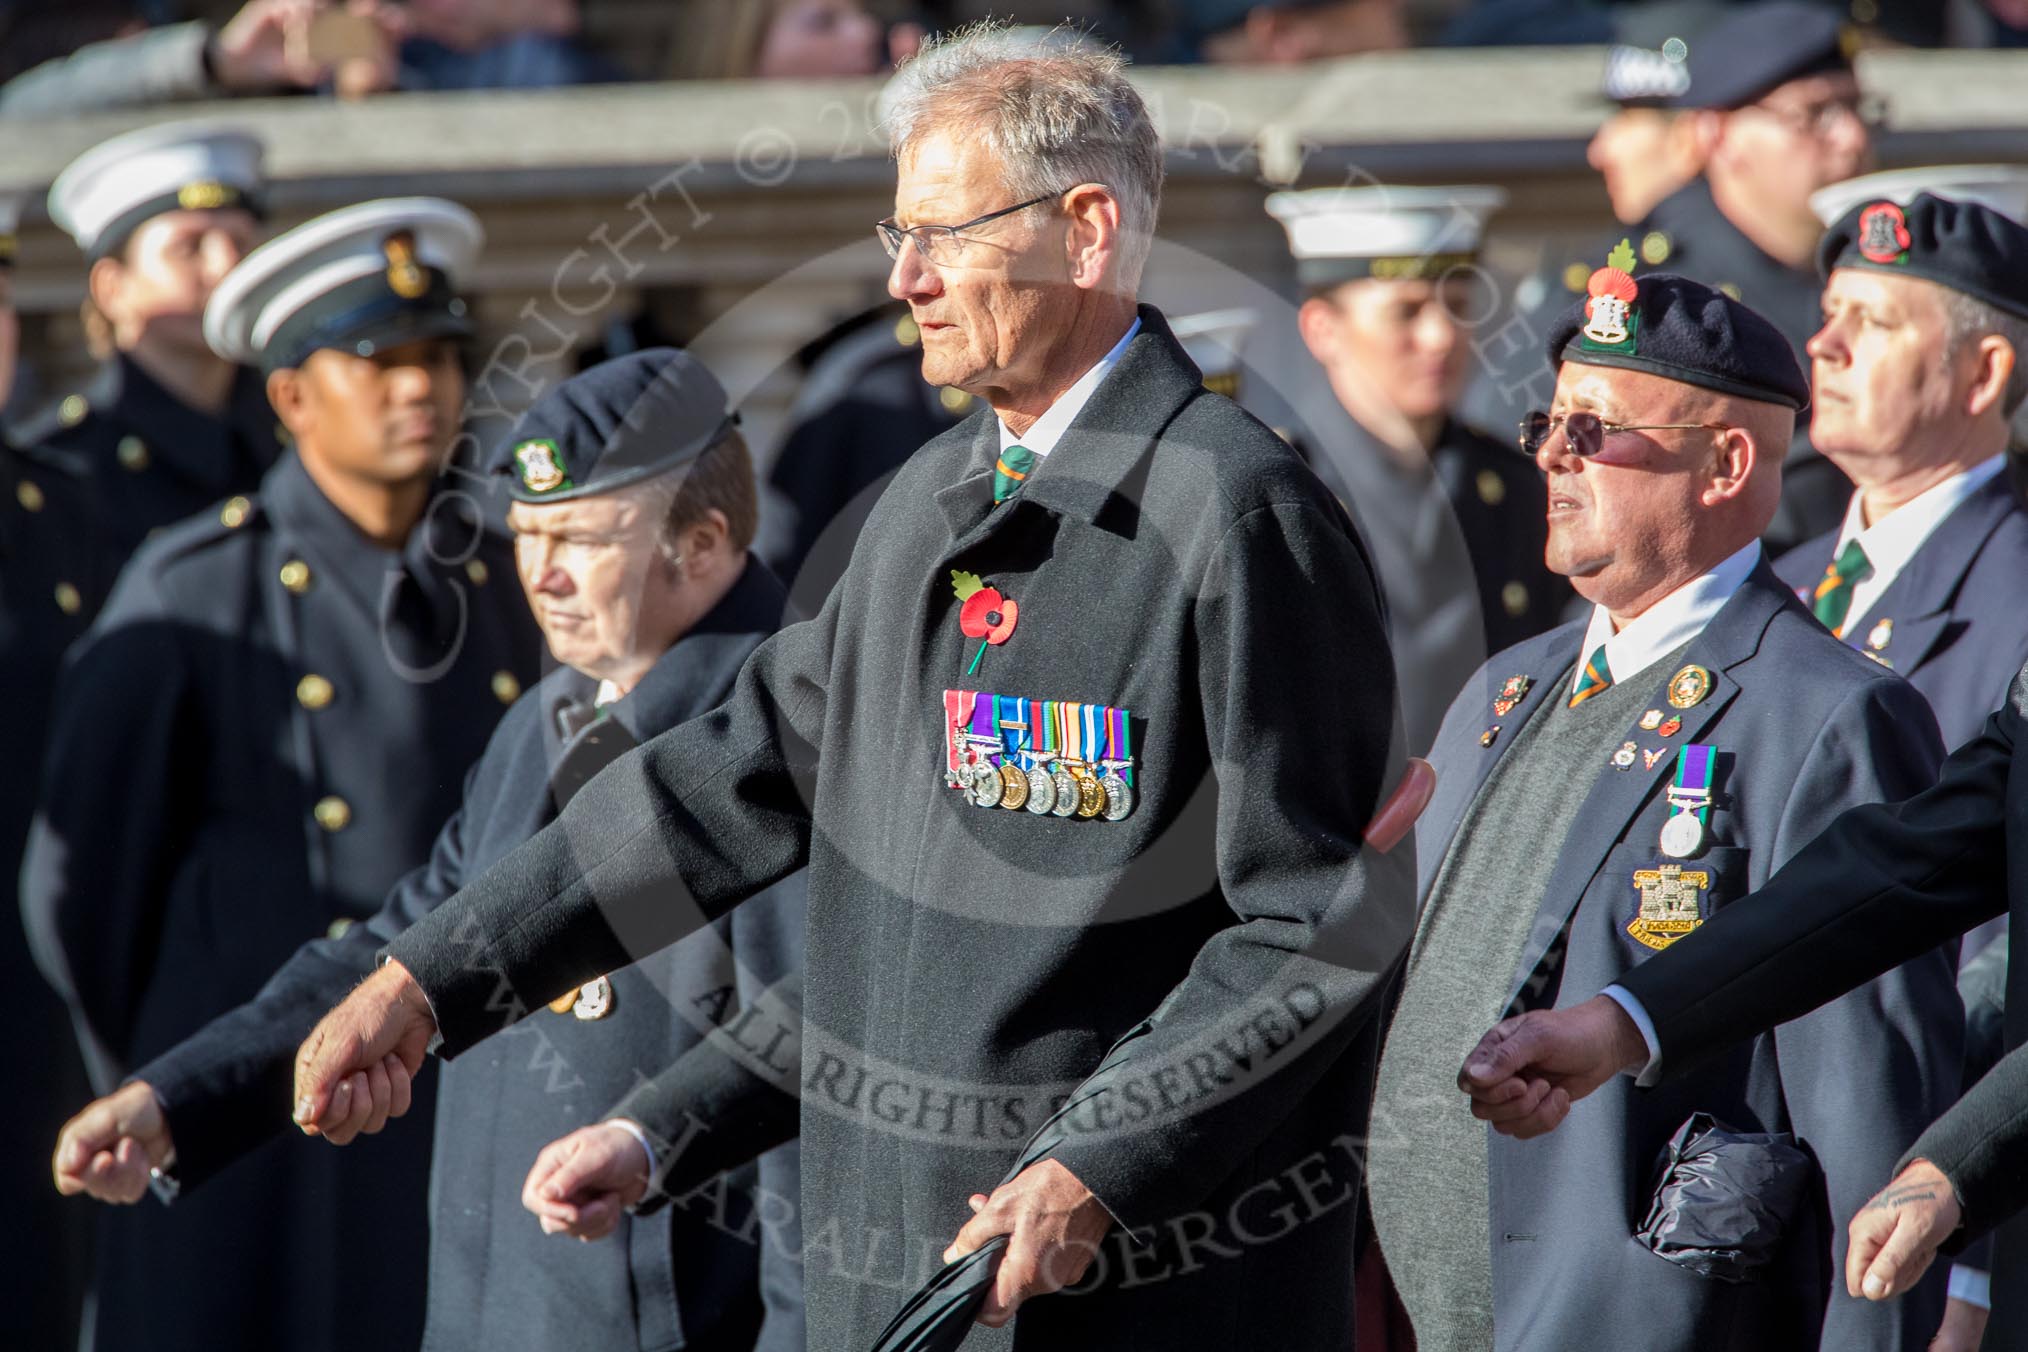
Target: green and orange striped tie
x,y
1011,471
1597,676
1833,601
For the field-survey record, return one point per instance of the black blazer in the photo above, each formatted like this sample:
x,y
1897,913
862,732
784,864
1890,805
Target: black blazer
x,y
1803,728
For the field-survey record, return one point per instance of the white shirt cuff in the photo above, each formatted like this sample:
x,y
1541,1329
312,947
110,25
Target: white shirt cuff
x,y
1651,1072
634,1130
1972,1286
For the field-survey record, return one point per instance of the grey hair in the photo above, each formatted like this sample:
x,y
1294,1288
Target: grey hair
x,y
1968,319
1056,112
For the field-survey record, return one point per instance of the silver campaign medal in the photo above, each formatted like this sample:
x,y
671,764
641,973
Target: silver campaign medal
x,y
1064,785
1119,795
987,786
1041,791
1682,835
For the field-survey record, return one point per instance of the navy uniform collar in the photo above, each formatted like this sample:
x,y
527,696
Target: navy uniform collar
x,y
310,522
1103,451
211,451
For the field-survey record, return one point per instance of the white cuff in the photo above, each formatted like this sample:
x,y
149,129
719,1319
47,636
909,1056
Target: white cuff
x,y
1651,1072
1971,1286
634,1130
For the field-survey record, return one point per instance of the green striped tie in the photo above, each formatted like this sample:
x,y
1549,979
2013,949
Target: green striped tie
x,y
1834,594
1597,676
1011,472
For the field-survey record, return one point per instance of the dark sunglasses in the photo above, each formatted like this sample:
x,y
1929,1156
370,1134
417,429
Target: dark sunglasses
x,y
1585,433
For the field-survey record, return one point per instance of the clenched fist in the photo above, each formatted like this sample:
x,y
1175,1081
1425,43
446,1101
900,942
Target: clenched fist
x,y
108,1149
353,1071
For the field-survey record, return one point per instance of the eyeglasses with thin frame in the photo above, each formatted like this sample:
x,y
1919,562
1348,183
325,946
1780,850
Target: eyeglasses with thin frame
x,y
1585,433
1869,109
946,243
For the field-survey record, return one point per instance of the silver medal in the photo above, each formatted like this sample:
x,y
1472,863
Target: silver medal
x,y
1041,791
1119,796
1682,835
1063,785
987,787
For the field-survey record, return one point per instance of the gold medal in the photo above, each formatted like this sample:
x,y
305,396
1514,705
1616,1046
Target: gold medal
x,y
1013,786
1091,798
562,1003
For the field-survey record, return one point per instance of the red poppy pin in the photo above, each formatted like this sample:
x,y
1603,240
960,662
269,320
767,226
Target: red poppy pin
x,y
1883,234
983,613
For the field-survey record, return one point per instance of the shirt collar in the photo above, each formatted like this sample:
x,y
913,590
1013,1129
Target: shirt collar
x,y
1669,623
1894,539
1056,419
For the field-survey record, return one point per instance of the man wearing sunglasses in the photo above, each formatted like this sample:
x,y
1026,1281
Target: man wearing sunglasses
x,y
1773,112
1602,791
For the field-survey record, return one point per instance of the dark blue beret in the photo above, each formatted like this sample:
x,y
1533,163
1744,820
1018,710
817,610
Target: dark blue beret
x,y
1680,330
1759,48
1962,245
616,424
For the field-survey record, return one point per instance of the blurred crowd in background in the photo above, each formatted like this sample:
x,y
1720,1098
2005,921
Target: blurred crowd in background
x,y
213,48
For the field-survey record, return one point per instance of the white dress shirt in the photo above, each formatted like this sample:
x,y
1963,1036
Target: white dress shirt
x,y
1666,625
1894,539
1056,419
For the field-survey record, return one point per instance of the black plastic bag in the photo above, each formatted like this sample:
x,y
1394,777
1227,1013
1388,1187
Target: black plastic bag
x,y
1725,1198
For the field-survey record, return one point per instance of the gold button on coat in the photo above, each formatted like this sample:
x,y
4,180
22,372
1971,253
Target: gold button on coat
x,y
313,691
1492,488
132,453
68,599
332,813
29,494
339,928
954,399
296,576
1514,596
475,569
506,688
233,514
72,410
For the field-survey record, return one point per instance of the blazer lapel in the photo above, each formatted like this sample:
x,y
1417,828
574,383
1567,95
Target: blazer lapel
x,y
1902,628
1616,796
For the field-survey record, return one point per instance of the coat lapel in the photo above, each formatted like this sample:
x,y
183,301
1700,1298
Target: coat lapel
x,y
1903,627
1617,796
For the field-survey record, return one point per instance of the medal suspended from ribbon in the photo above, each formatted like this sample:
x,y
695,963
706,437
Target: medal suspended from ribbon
x,y
1689,802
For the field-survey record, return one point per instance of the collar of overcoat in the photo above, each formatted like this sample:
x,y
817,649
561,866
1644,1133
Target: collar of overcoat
x,y
1093,475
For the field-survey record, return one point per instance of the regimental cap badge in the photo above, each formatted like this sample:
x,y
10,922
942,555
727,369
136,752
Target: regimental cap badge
x,y
1883,234
405,276
542,468
1611,322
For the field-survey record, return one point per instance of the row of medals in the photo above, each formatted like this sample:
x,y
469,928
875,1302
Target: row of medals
x,y
1071,789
